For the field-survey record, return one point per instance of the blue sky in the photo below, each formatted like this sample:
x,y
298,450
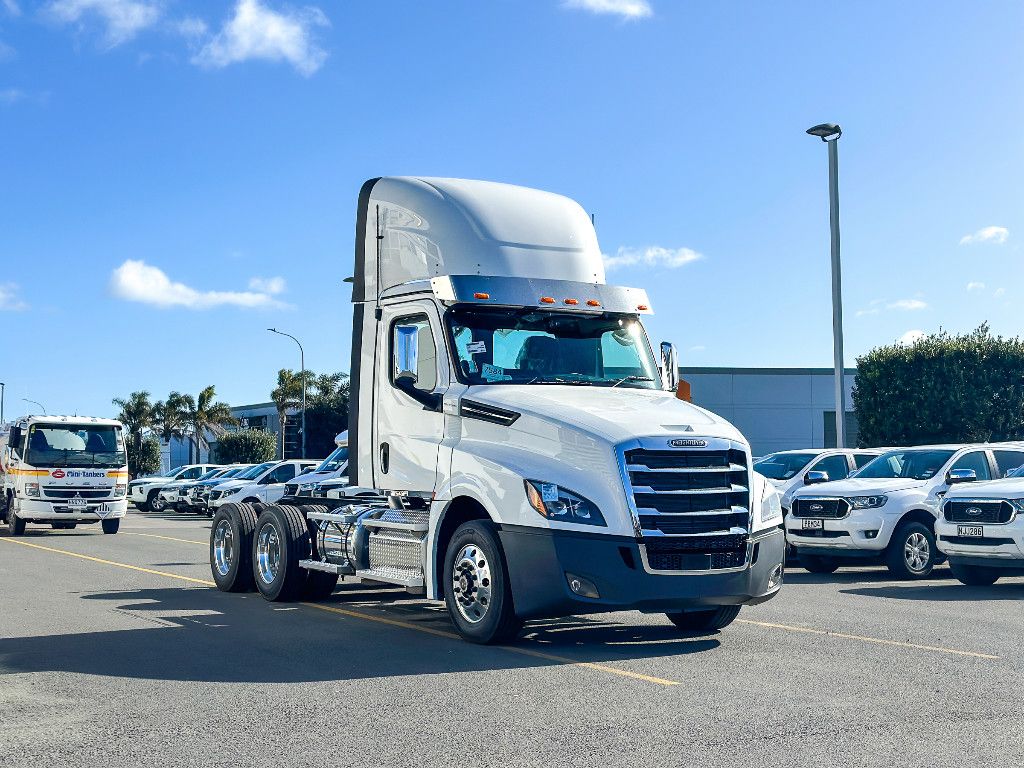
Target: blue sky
x,y
177,176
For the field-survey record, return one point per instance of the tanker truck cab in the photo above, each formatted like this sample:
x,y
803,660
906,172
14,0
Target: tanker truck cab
x,y
65,470
531,459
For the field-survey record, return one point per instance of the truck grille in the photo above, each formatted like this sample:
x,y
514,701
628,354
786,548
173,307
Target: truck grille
x,y
70,492
291,489
692,506
833,509
992,512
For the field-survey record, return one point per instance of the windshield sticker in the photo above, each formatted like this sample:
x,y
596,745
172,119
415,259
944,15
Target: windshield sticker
x,y
471,366
494,373
477,347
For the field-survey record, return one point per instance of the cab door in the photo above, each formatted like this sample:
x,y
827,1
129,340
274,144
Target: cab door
x,y
411,375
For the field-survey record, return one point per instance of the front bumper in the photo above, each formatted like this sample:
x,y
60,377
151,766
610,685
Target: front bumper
x,y
866,532
1003,543
31,509
539,560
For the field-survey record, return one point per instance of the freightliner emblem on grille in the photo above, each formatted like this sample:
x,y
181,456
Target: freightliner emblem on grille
x,y
688,442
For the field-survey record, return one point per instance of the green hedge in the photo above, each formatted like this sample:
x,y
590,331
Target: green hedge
x,y
941,389
147,462
247,446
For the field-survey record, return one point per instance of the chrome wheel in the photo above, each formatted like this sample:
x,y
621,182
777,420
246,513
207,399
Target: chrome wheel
x,y
268,554
223,547
156,505
916,552
471,583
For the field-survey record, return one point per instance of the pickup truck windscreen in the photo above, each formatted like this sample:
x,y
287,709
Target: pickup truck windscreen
x,y
783,466
912,465
75,445
531,346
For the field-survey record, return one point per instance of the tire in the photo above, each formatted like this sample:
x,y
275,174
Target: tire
x,y
231,547
710,620
818,563
479,600
911,553
280,541
975,575
15,525
142,506
111,525
319,584
153,503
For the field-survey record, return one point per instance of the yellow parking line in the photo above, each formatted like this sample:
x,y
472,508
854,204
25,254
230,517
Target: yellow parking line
x,y
167,538
862,639
364,616
109,562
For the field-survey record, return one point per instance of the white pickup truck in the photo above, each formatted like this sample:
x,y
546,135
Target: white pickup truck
x,y
981,530
887,512
787,470
144,492
264,487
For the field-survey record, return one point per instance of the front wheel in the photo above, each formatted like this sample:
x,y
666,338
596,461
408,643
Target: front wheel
x,y
154,503
110,526
15,525
476,586
975,575
705,621
911,553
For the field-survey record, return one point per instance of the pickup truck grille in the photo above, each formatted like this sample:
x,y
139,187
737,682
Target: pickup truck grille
x,y
833,509
692,506
291,489
67,492
992,512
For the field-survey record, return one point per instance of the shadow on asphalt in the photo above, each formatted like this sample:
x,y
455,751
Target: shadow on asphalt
x,y
854,576
949,593
205,635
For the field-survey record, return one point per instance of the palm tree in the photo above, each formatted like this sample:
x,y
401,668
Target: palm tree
x,y
287,394
205,416
169,416
137,415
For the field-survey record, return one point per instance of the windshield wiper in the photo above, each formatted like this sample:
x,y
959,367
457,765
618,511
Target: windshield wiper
x,y
559,380
631,378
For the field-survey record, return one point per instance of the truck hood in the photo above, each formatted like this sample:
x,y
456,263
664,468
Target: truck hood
x,y
615,415
1009,488
228,485
856,486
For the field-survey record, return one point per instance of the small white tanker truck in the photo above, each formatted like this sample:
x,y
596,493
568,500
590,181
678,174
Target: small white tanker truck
x,y
514,449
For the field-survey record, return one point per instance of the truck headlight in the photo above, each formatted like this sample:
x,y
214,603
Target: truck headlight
x,y
1017,504
867,502
771,507
307,486
556,503
120,489
31,489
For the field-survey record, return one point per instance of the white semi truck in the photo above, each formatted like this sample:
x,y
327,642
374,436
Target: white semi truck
x,y
62,471
529,459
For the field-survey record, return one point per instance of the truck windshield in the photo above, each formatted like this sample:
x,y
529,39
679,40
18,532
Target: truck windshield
x,y
531,346
334,462
783,466
912,465
252,472
75,445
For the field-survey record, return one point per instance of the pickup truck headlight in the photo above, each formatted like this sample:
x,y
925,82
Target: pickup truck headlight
x,y
31,489
556,503
120,489
867,502
307,486
771,506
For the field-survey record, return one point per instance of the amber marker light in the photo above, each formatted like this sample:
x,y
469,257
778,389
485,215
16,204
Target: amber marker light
x,y
642,307
593,303
572,302
547,300
481,295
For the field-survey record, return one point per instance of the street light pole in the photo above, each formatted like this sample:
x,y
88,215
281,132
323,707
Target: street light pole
x,y
36,402
302,363
3,391
830,133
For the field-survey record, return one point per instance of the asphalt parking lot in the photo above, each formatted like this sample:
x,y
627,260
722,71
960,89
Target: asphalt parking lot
x,y
116,650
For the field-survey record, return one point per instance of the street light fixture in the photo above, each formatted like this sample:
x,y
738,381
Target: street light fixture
x,y
302,363
830,133
36,402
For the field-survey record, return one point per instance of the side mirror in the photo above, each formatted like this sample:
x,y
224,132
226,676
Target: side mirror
x,y
669,366
407,344
955,476
815,476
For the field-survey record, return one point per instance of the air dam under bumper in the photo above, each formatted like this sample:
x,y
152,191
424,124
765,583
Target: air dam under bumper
x,y
538,560
30,509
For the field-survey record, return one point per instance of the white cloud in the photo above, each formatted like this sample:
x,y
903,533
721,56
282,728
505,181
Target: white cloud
x,y
138,281
911,337
907,304
975,286
9,301
651,256
865,312
11,95
271,285
124,19
995,235
627,9
999,292
191,28
257,32
12,7
697,348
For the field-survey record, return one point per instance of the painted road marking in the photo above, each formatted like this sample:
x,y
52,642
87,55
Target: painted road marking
x,y
168,538
863,639
366,617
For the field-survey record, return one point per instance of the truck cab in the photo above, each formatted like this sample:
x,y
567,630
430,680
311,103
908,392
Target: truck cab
x,y
531,458
64,471
887,512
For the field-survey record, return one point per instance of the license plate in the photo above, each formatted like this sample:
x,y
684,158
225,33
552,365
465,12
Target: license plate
x,y
812,525
974,531
78,503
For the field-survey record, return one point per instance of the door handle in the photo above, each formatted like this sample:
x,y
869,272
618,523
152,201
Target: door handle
x,y
385,456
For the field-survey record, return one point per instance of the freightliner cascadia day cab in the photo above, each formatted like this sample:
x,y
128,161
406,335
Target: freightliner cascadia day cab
x,y
528,457
64,470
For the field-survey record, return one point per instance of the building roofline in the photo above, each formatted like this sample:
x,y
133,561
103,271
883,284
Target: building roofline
x,y
738,371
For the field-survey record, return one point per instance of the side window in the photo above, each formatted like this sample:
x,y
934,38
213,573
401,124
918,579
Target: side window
x,y
426,351
190,474
1007,461
284,473
860,459
834,465
976,460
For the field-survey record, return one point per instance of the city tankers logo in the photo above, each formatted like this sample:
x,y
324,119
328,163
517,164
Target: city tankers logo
x,y
688,442
57,473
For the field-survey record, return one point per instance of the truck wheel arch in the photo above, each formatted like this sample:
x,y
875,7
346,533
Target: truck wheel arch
x,y
461,509
922,516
